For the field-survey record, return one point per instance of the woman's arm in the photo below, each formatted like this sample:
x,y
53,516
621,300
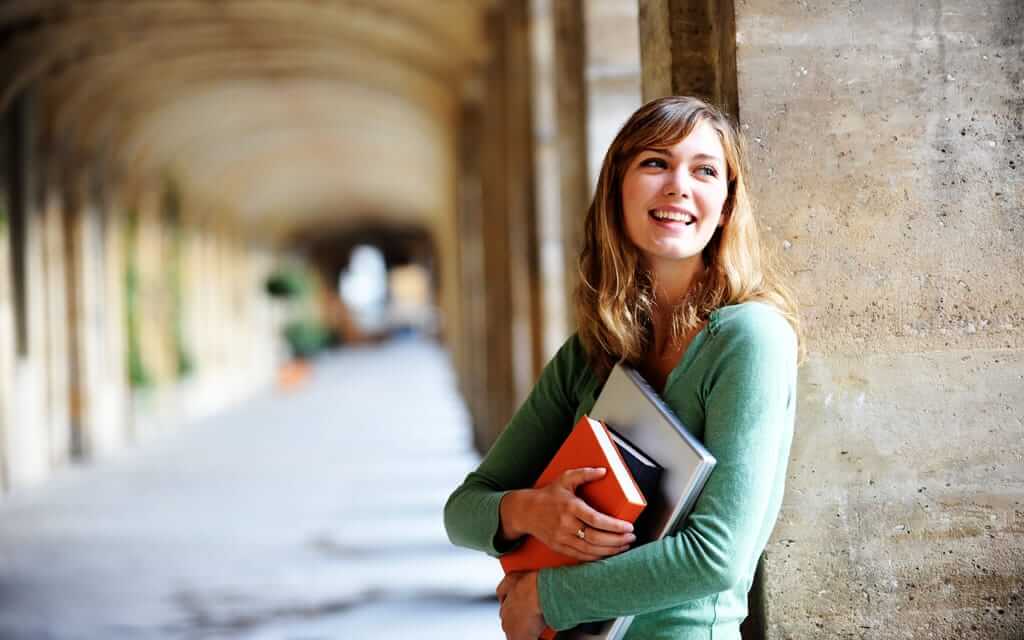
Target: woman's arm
x,y
486,512
748,398
495,507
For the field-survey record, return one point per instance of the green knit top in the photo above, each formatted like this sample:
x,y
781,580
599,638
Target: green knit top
x,y
735,390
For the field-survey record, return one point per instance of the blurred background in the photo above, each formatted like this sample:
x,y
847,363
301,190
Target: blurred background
x,y
273,273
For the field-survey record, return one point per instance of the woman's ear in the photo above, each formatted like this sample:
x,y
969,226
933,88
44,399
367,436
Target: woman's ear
x,y
726,211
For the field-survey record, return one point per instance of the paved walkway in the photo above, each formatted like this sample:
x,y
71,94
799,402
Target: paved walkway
x,y
309,515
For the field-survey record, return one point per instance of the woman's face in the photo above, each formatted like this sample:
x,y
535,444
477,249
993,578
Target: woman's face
x,y
672,197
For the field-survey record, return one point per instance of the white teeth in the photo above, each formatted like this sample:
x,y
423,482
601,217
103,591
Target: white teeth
x,y
675,216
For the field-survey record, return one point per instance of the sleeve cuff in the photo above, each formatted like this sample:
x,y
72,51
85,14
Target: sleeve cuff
x,y
552,603
497,546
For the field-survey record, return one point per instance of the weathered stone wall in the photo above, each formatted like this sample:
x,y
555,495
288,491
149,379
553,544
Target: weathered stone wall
x,y
886,149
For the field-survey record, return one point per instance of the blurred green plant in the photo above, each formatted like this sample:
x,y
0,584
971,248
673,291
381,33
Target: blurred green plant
x,y
138,375
184,363
305,335
288,283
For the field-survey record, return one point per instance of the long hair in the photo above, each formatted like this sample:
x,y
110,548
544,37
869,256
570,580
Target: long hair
x,y
615,295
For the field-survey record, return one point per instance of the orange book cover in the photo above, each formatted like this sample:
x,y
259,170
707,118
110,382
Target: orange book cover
x,y
616,494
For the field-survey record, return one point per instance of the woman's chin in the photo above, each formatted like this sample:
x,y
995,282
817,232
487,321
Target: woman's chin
x,y
671,256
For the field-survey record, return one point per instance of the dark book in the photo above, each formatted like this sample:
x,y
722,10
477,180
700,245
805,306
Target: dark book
x,y
641,418
647,474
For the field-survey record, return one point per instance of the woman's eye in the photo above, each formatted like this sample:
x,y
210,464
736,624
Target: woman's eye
x,y
708,170
654,162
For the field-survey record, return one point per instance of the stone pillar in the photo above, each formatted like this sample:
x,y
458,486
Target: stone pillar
x,y
688,47
155,300
8,342
473,367
58,390
114,358
198,292
892,178
100,407
521,232
27,446
78,381
499,381
587,61
612,75
560,162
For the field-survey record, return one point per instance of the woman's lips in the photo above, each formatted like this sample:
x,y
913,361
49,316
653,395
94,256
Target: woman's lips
x,y
672,218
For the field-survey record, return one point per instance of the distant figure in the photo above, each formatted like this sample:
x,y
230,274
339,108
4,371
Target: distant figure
x,y
364,288
673,282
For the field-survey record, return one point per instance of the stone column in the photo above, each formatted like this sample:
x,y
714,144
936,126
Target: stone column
x,y
8,342
891,176
560,157
100,410
114,359
156,334
688,47
521,233
71,220
58,390
499,382
27,444
473,377
612,74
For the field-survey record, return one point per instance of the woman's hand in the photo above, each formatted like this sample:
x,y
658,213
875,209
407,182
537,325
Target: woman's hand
x,y
521,616
555,516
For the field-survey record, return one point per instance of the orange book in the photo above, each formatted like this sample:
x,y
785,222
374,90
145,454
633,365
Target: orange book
x,y
616,493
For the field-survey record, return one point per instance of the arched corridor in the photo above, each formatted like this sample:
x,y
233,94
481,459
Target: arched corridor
x,y
275,273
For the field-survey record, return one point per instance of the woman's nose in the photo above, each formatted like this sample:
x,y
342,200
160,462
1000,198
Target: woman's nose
x,y
677,184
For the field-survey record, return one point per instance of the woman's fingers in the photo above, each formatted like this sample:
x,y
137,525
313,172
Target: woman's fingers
x,y
598,538
590,552
597,520
573,478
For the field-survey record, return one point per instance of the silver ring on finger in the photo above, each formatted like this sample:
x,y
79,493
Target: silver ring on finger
x,y
581,533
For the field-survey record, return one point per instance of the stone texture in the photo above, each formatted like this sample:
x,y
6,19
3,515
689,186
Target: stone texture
x,y
886,146
886,150
904,513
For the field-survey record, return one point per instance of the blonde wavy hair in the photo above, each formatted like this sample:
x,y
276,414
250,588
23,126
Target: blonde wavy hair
x,y
615,296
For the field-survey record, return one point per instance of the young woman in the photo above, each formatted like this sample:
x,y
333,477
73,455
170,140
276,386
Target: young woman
x,y
672,281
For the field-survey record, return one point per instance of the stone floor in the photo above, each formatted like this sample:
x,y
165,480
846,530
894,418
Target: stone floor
x,y
307,515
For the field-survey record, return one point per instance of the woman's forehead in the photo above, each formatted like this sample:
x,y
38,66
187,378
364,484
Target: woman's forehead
x,y
702,136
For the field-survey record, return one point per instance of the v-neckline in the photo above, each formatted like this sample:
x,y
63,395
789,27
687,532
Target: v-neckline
x,y
689,354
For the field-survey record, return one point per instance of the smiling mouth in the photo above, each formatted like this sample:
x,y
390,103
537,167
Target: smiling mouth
x,y
662,215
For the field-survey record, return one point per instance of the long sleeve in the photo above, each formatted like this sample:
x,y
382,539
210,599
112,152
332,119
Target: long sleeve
x,y
519,455
747,388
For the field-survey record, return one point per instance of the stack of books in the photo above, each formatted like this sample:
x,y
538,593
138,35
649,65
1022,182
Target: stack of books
x,y
628,419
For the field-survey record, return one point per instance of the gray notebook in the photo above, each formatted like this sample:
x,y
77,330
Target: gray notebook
x,y
628,405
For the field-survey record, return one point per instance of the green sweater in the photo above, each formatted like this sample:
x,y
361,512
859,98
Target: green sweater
x,y
734,389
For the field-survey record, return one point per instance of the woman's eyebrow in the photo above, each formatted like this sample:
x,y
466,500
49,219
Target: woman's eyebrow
x,y
699,156
706,156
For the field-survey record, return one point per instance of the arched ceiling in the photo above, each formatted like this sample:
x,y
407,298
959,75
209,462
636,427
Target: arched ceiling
x,y
283,114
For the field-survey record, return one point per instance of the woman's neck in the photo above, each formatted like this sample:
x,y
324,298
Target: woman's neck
x,y
673,281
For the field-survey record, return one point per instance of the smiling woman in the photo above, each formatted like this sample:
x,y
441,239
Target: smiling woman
x,y
672,281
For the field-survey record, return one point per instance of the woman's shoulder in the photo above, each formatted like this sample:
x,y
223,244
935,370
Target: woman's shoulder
x,y
753,322
570,364
572,350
